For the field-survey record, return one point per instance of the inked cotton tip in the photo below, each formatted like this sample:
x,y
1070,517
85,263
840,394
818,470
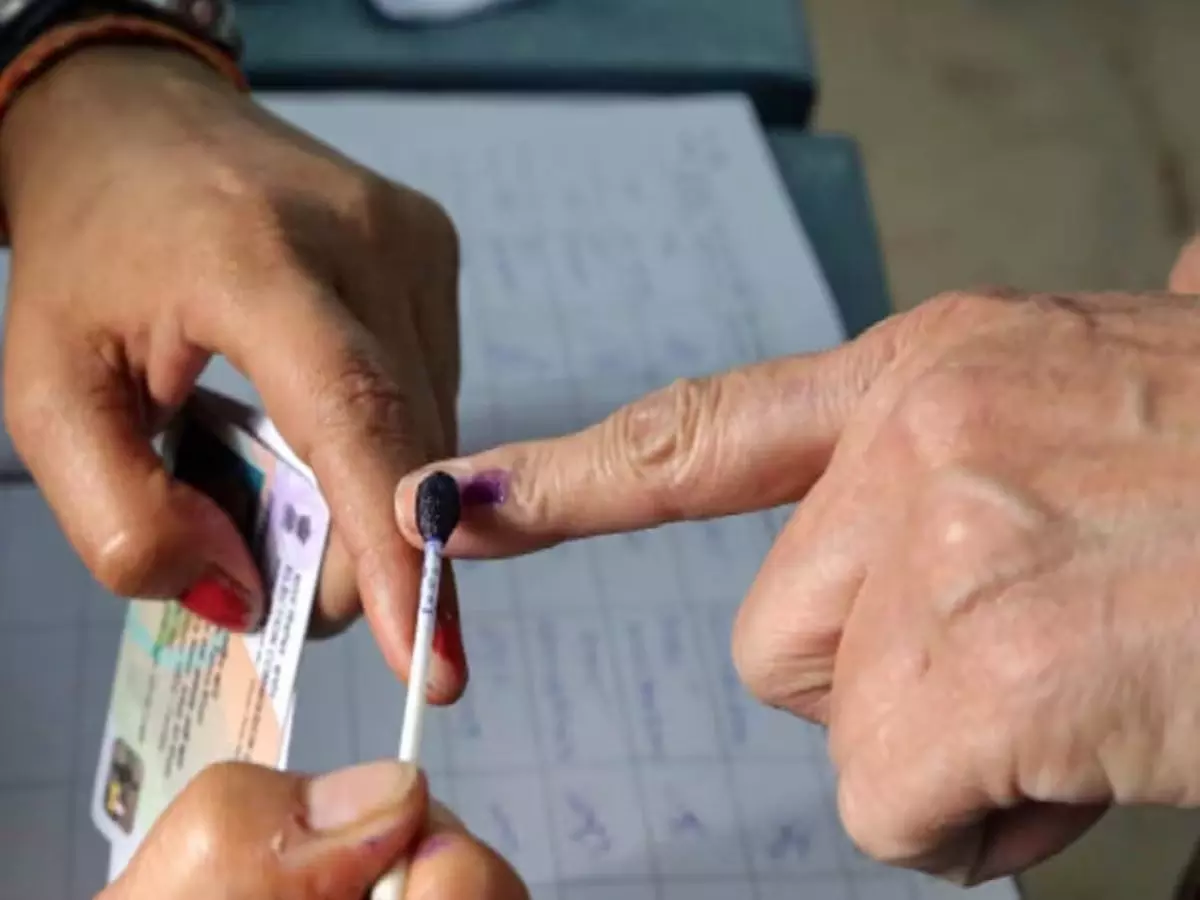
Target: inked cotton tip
x,y
438,507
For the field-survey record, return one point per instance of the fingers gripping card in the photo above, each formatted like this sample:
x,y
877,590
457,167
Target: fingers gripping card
x,y
186,693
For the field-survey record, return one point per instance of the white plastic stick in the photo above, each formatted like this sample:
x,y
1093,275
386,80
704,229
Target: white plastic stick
x,y
391,886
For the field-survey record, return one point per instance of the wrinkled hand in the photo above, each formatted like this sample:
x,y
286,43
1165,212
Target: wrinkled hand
x,y
242,832
158,218
988,591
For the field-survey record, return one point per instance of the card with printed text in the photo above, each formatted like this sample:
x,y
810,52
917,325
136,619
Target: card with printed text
x,y
187,693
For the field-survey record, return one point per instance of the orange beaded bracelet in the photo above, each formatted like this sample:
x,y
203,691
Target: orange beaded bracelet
x,y
63,39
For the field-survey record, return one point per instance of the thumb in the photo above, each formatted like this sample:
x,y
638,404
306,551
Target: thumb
x,y
747,439
81,423
244,832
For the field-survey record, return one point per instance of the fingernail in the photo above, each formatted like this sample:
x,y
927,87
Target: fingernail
x,y
221,601
487,488
354,796
450,657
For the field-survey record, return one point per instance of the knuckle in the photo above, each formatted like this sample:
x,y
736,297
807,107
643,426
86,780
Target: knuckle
x,y
243,236
659,439
24,410
1013,650
881,820
955,521
209,793
960,312
975,301
429,232
363,401
943,416
238,202
862,809
756,658
985,542
29,387
1185,273
440,227
124,559
782,666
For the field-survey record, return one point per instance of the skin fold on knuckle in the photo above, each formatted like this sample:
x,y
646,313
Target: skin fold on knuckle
x,y
661,442
362,402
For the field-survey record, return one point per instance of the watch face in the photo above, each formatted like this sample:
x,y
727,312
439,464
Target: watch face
x,y
202,12
211,19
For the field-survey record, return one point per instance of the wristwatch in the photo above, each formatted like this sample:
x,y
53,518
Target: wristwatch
x,y
23,21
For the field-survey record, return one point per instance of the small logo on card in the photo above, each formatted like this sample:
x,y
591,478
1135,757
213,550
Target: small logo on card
x,y
297,523
123,786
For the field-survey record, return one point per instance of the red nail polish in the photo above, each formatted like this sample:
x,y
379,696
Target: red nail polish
x,y
215,599
447,637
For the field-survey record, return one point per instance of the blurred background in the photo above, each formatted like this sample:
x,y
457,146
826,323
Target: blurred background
x,y
1048,144
1043,143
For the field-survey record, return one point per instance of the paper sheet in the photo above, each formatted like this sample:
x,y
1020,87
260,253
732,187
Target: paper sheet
x,y
605,745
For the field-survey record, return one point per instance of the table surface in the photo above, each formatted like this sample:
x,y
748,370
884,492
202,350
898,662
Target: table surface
x,y
662,46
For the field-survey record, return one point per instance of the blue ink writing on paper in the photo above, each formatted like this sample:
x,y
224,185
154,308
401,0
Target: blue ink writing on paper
x,y
789,839
561,709
589,653
465,718
733,694
492,653
645,688
589,831
672,639
500,355
507,839
685,823
714,536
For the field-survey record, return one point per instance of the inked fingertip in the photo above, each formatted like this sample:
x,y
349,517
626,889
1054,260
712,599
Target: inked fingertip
x,y
489,487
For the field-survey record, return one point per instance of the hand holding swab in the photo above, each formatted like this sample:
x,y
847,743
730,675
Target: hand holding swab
x,y
438,510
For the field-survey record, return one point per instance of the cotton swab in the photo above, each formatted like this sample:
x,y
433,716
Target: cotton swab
x,y
438,511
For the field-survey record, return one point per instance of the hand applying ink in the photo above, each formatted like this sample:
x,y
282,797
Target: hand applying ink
x,y
240,832
159,217
988,589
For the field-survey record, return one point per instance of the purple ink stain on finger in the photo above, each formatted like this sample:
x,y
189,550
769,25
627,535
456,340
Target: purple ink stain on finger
x,y
434,844
376,841
488,488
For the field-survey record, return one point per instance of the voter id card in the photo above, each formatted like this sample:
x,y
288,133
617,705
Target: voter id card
x,y
187,693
